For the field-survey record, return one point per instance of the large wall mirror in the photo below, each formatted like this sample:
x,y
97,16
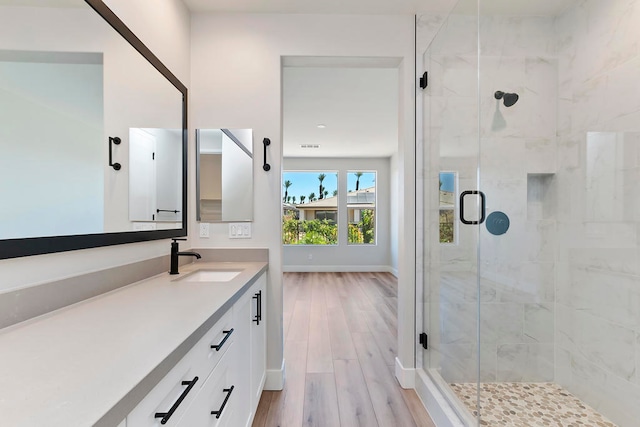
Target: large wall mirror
x,y
92,132
224,171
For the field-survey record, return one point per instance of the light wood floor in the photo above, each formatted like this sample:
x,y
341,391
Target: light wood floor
x,y
340,346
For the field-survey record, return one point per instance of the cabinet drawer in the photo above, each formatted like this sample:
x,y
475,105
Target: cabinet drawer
x,y
175,389
171,395
214,344
219,395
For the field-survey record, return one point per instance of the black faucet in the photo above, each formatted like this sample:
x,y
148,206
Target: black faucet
x,y
175,254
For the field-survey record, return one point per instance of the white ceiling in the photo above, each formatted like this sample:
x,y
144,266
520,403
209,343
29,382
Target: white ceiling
x,y
366,7
513,7
322,6
359,107
45,3
379,7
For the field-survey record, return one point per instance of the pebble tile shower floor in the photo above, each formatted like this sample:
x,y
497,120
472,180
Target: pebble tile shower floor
x,y
529,405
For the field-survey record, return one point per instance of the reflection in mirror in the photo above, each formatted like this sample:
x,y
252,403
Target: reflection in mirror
x,y
155,193
64,91
51,127
224,170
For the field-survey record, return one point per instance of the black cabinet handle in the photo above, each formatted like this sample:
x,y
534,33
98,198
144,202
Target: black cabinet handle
x,y
218,413
226,337
482,207
166,415
258,298
114,140
266,166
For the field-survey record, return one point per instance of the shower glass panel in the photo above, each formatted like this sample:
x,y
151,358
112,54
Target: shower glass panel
x,y
450,162
533,315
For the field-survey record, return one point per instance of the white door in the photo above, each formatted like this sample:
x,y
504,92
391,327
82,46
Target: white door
x,y
142,176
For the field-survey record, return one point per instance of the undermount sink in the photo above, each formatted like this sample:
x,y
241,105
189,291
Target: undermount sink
x,y
211,276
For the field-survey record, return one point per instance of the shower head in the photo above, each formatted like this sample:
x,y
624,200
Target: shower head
x,y
509,98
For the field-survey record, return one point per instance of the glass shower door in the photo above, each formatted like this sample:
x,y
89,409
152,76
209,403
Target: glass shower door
x,y
532,314
450,157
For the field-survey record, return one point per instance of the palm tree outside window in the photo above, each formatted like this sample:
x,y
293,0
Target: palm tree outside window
x,y
312,221
361,207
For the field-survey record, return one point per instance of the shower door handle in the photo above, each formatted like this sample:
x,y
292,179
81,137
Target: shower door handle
x,y
482,207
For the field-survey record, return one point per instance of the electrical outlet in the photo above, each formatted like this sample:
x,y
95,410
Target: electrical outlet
x,y
204,230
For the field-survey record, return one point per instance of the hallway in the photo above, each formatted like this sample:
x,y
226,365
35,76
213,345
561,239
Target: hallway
x,y
340,343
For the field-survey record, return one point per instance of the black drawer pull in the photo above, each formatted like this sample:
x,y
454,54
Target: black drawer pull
x,y
218,413
226,337
166,415
258,298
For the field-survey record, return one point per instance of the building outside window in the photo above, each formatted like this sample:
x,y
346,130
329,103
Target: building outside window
x,y
447,207
361,207
310,208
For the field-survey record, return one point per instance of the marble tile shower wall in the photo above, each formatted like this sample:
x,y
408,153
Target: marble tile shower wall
x,y
598,270
517,156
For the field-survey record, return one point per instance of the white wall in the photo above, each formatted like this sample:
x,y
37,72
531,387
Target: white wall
x,y
345,257
237,181
165,28
394,199
236,76
51,179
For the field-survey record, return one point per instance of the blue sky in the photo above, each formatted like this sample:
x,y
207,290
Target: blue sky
x,y
448,180
304,183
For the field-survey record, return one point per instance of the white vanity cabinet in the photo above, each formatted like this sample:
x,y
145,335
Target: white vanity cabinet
x,y
220,380
258,341
175,392
249,312
215,405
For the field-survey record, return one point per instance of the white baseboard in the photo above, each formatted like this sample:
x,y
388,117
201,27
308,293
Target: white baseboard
x,y
406,377
441,411
275,379
339,269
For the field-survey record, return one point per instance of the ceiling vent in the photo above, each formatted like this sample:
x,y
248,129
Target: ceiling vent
x,y
311,146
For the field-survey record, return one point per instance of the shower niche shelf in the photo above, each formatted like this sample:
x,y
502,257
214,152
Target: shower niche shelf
x,y
541,196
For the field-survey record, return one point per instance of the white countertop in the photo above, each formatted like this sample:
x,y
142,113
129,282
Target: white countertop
x,y
72,366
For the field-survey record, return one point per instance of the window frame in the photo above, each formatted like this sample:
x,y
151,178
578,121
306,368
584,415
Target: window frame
x,y
316,172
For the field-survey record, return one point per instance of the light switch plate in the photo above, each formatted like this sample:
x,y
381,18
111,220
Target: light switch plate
x,y
240,230
204,230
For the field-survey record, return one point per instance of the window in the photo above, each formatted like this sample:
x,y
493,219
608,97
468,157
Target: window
x,y
310,208
361,207
447,207
330,216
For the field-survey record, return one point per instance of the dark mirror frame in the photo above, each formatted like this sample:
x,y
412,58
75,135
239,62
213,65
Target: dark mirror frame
x,y
14,248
